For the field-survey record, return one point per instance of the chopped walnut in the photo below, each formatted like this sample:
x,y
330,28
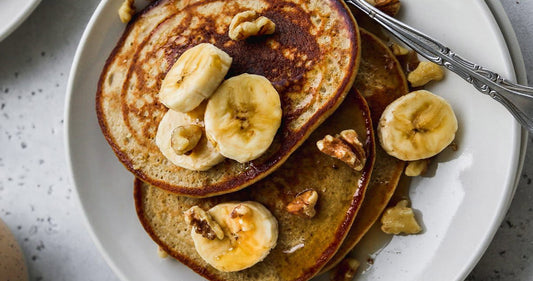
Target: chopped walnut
x,y
241,219
345,270
184,138
389,7
425,72
240,211
346,147
454,146
203,223
126,10
416,168
400,219
304,204
351,137
398,50
246,24
161,253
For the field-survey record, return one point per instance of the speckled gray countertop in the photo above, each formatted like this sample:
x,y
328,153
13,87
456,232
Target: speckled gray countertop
x,y
36,197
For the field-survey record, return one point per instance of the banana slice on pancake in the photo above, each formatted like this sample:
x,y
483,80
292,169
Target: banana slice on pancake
x,y
416,126
243,116
194,77
181,139
249,232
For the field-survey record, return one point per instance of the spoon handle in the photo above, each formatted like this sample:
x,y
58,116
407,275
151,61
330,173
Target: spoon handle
x,y
518,99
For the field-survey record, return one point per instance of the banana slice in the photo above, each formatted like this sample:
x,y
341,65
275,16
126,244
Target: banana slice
x,y
243,116
181,139
416,126
250,232
194,77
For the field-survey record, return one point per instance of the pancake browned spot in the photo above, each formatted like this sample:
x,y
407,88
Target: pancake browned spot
x,y
304,244
311,59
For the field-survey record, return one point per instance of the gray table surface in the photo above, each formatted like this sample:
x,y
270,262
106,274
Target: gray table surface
x,y
36,196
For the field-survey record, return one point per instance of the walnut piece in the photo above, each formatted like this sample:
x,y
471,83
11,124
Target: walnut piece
x,y
184,138
400,219
126,11
203,223
425,72
416,168
241,219
389,7
398,50
346,147
304,204
161,253
345,270
454,146
246,24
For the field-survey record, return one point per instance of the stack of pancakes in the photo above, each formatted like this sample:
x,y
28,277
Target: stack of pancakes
x,y
312,60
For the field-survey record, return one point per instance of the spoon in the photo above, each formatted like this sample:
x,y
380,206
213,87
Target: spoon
x,y
518,99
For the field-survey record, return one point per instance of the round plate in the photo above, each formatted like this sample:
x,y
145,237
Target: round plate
x,y
13,13
460,204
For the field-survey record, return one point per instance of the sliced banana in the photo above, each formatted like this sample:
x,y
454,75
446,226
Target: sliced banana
x,y
416,126
194,77
251,231
243,116
182,145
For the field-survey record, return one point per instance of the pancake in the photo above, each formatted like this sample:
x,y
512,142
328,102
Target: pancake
x,y
304,244
381,80
311,59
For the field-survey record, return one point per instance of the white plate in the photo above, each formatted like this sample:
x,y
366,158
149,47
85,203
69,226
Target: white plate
x,y
13,13
461,205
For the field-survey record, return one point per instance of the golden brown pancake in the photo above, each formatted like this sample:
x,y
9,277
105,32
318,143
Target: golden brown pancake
x,y
311,60
304,244
381,80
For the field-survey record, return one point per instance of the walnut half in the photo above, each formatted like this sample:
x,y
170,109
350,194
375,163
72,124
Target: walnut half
x,y
304,204
346,147
246,24
203,223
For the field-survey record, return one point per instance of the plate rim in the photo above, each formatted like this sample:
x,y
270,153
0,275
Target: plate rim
x,y
26,12
516,60
520,75
80,49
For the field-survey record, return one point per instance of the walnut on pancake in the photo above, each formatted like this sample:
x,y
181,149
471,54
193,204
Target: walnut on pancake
x,y
304,204
248,23
346,147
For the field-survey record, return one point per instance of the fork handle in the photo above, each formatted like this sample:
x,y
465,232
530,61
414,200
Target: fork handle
x,y
518,99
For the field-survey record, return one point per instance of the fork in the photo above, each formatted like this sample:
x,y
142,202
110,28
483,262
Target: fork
x,y
518,99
